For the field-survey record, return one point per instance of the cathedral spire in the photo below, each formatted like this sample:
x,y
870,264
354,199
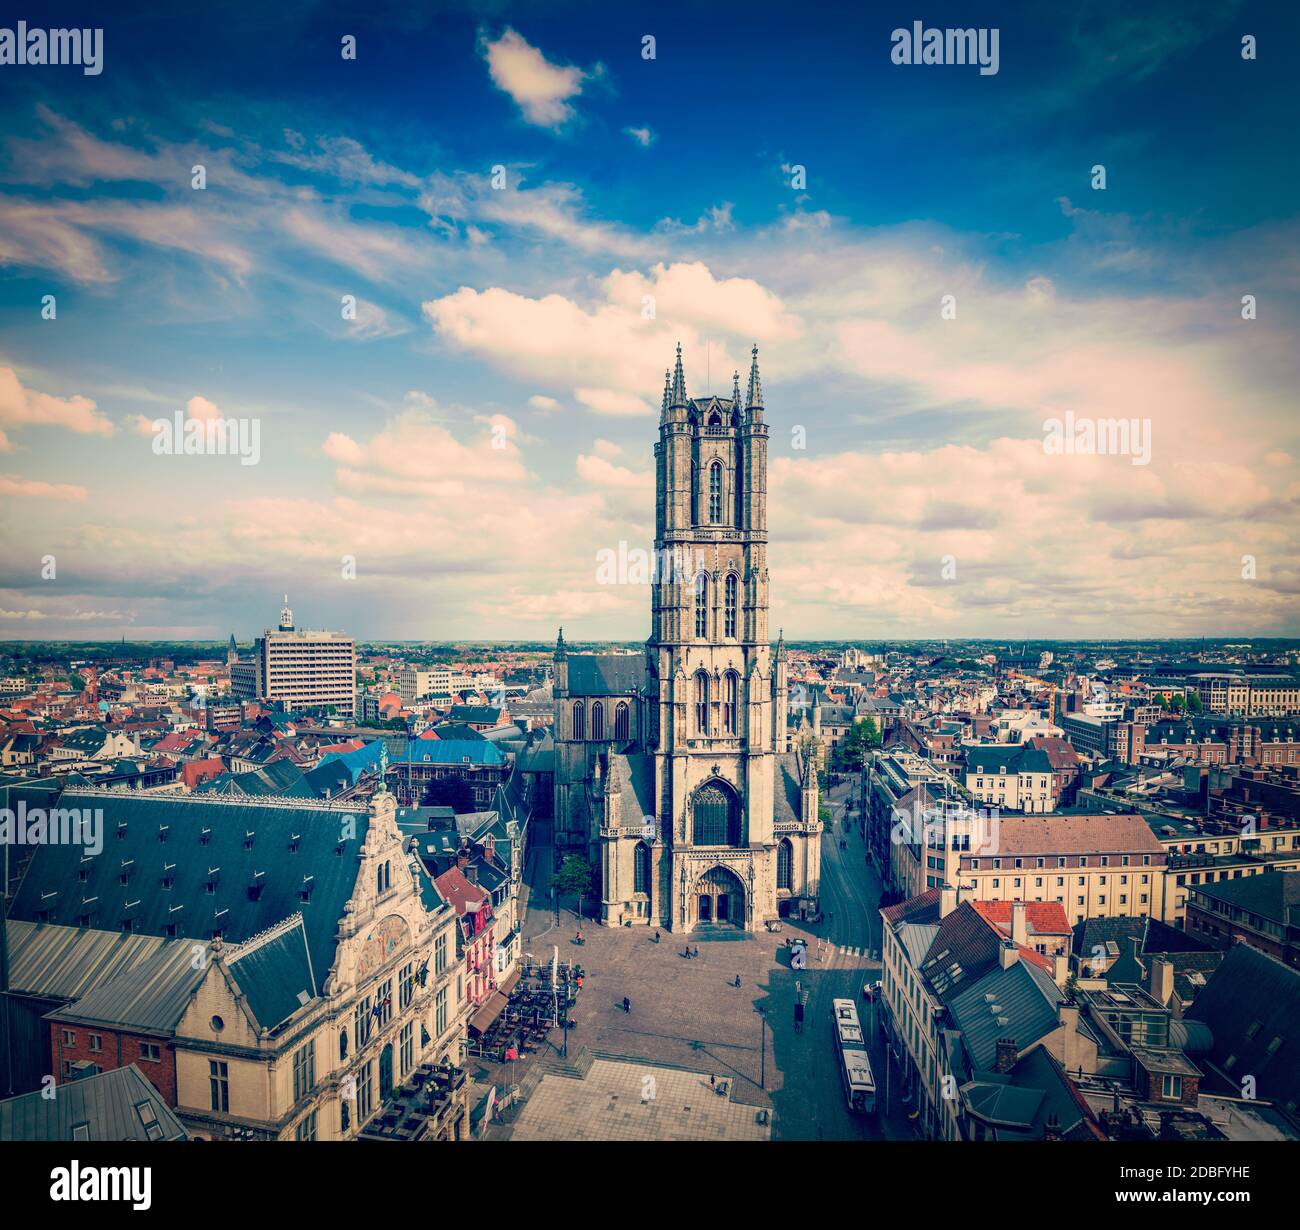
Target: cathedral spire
x,y
755,397
679,380
735,391
560,649
667,392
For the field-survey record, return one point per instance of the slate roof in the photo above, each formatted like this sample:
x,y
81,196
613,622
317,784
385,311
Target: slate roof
x,y
788,794
275,974
1006,758
116,1105
483,714
1018,1002
450,751
1252,1006
606,674
1272,895
279,779
922,908
916,939
202,834
965,948
636,773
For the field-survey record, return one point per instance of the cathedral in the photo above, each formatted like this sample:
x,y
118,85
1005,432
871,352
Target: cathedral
x,y
674,774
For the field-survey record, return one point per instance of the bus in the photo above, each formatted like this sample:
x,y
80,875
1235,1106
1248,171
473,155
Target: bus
x,y
855,1066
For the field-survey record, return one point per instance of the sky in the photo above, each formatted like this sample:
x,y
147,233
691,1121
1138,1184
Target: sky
x,y
529,206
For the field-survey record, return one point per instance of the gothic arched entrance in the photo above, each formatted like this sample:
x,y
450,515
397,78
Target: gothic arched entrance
x,y
718,898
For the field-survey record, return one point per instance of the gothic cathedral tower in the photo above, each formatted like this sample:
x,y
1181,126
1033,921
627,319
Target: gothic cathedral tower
x,y
715,693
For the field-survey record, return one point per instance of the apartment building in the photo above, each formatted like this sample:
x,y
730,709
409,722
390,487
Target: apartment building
x,y
302,669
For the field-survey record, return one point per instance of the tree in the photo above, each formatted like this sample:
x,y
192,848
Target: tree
x,y
1176,704
1193,702
863,735
573,879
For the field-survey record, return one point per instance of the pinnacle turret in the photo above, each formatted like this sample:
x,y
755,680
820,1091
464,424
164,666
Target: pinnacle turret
x,y
735,391
679,380
755,397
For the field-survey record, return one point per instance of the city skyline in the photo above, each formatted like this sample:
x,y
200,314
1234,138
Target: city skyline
x,y
480,430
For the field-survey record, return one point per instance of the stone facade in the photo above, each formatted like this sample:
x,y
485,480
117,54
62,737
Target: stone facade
x,y
673,772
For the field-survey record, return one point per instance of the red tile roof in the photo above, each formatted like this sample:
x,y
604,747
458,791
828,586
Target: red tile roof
x,y
1042,917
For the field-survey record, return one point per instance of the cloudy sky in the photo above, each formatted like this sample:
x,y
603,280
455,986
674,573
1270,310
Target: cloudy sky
x,y
529,213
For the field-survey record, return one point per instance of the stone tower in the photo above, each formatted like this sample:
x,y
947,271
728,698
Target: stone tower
x,y
714,717
688,800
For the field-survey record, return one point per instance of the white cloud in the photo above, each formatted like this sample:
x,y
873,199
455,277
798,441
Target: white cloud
x,y
541,89
644,137
20,407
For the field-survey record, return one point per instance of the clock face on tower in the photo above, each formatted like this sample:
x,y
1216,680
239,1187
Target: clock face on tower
x,y
388,936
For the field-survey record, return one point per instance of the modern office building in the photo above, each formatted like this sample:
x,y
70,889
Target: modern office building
x,y
301,668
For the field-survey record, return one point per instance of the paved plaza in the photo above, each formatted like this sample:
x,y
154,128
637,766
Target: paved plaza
x,y
618,1100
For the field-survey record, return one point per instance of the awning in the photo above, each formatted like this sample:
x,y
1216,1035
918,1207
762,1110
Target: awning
x,y
509,984
491,1009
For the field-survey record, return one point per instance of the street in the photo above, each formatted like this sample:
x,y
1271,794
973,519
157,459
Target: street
x,y
689,1015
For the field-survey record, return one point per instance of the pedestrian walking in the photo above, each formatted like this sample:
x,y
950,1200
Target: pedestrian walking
x,y
627,1004
713,1080
696,953
656,936
736,983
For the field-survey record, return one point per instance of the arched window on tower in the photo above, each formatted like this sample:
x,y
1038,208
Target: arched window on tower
x,y
702,606
715,493
729,605
597,722
641,868
701,703
730,694
621,722
579,721
785,864
717,818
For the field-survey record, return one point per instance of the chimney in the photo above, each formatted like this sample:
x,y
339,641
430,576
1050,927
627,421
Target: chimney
x,y
1008,954
947,901
462,858
1067,1015
1160,980
489,847
1019,923
471,873
1007,1055
1061,969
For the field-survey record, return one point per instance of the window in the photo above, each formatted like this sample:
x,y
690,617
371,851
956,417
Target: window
x,y
641,868
729,695
579,721
440,1013
717,817
150,1052
406,985
597,722
784,864
440,954
365,1092
361,1022
1171,1086
304,1070
306,1129
406,1048
96,1042
69,1038
383,877
715,493
729,605
219,1084
149,1120
702,606
384,1003
701,703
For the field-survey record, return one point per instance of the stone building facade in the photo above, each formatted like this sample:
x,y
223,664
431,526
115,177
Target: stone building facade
x,y
673,769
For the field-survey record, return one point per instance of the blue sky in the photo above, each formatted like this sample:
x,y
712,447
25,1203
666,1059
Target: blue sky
x,y
922,501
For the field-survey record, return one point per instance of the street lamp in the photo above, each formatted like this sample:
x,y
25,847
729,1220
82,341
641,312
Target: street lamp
x,y
762,1046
